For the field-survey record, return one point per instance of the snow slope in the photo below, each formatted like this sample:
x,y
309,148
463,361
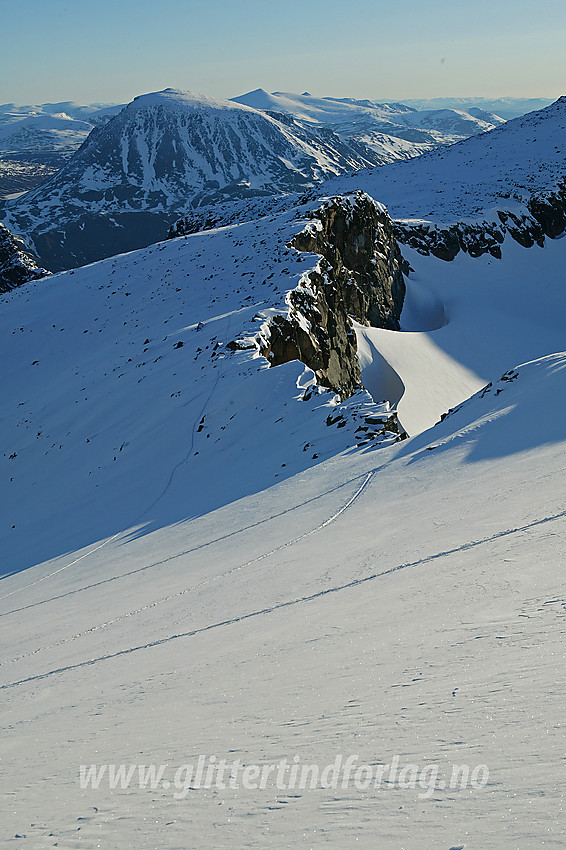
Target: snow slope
x,y
502,169
406,602
126,356
465,322
392,130
91,382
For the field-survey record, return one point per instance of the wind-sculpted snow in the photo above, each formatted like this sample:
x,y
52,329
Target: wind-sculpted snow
x,y
463,324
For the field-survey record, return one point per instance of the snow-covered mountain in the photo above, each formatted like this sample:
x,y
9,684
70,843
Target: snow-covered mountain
x,y
391,130
469,195
227,562
36,141
162,155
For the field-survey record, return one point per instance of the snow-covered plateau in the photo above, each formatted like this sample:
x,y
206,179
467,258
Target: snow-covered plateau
x,y
228,571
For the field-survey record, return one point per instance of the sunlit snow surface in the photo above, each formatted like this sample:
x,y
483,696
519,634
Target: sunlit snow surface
x,y
392,130
475,177
174,590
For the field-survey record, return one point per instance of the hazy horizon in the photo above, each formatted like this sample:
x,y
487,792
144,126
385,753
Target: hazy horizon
x,y
380,99
113,51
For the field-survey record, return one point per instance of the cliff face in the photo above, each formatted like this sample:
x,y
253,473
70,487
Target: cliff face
x,y
16,265
359,274
543,215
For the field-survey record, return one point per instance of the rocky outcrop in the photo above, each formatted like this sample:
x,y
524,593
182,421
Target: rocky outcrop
x,y
17,266
543,215
549,210
359,275
445,242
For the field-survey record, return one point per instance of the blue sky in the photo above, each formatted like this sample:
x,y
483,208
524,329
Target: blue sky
x,y
112,50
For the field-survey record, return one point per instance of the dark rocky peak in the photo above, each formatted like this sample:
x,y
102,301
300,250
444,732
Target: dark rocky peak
x,y
359,275
17,265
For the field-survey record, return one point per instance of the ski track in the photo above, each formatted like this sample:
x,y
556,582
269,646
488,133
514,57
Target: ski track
x,y
190,551
300,600
140,517
193,431
201,584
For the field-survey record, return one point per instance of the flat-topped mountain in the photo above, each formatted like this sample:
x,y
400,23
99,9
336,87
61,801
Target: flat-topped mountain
x,y
162,155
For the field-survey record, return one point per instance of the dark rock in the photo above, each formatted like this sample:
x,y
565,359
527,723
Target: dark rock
x,y
543,215
359,275
17,265
239,345
550,211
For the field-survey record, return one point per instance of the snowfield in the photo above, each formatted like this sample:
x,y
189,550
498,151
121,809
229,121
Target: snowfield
x,y
209,561
391,130
473,178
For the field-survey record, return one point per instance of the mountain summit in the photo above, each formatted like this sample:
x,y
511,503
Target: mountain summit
x,y
162,155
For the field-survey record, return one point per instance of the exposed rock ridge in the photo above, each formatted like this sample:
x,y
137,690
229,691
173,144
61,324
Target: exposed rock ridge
x,y
543,215
359,275
17,266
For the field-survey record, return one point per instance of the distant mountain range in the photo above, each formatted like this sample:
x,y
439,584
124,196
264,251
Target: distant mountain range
x,y
36,141
50,126
391,130
140,168
506,107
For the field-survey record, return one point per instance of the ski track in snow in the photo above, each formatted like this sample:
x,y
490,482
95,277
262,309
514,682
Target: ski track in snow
x,y
174,557
289,603
232,570
154,503
191,447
